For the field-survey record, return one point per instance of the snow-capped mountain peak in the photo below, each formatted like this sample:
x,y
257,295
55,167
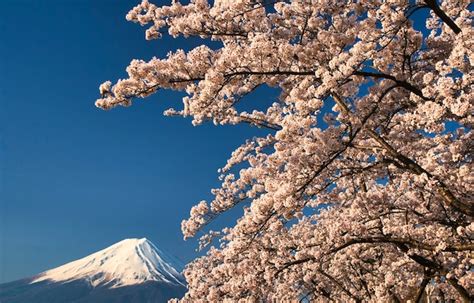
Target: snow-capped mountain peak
x,y
128,262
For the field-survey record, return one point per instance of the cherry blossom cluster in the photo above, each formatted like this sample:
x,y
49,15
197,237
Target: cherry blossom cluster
x,y
362,189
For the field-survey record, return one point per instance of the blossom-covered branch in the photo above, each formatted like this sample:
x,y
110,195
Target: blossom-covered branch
x,y
362,188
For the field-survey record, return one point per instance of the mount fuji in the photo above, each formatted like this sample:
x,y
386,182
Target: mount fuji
x,y
132,270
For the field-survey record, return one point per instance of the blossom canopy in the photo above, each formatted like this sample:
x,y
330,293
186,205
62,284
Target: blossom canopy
x,y
362,188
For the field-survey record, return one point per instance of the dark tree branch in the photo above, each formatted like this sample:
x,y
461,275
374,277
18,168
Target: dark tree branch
x,y
399,83
433,5
443,190
466,297
421,289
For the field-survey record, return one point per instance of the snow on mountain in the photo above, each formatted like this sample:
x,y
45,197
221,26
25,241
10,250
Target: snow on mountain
x,y
130,271
128,262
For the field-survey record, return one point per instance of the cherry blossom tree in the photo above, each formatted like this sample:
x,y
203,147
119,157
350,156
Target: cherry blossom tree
x,y
362,188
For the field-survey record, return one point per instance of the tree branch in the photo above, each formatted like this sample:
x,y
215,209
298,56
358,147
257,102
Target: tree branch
x,y
443,190
421,289
466,297
433,5
399,83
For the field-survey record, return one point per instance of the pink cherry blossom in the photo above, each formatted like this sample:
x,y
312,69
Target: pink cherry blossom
x,y
371,201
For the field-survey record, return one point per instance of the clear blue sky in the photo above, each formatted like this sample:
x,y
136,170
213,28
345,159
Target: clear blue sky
x,y
75,179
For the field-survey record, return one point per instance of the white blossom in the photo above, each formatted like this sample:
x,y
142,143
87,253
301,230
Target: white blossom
x,y
359,191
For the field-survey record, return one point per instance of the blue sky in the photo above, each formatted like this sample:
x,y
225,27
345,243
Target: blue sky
x,y
75,179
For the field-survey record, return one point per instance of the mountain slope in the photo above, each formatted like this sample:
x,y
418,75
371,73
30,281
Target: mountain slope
x,y
133,270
